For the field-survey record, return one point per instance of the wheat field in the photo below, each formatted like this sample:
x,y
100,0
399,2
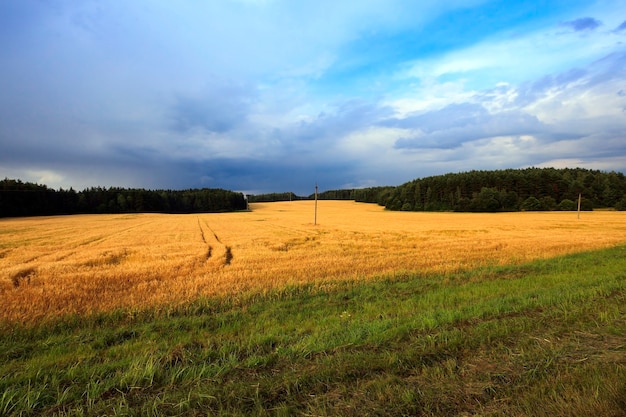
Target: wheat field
x,y
51,266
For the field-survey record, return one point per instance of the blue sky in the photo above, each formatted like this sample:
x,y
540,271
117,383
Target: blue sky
x,y
275,95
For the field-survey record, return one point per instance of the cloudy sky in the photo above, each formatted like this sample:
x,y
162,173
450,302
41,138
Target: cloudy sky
x,y
275,95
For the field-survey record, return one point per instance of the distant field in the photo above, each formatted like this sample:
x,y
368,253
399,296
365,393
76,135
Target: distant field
x,y
80,264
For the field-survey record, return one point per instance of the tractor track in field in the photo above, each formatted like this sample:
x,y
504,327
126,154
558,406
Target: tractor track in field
x,y
217,251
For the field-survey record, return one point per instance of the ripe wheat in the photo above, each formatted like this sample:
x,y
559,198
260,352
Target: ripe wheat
x,y
83,264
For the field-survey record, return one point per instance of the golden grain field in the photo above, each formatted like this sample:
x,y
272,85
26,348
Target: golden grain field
x,y
88,263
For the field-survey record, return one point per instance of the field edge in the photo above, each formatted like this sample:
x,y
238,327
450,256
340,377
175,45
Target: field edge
x,y
496,340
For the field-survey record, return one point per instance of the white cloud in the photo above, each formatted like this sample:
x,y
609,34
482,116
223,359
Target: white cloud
x,y
429,95
513,58
581,101
371,142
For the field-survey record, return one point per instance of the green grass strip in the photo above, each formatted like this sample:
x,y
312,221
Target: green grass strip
x,y
544,338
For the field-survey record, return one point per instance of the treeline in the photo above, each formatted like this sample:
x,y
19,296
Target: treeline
x,y
511,190
270,197
19,198
360,195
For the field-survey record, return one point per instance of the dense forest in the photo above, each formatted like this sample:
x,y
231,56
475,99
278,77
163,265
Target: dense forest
x,y
360,195
529,189
270,197
19,198
511,190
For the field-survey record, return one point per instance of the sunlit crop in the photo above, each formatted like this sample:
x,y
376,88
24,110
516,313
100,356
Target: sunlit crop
x,y
89,263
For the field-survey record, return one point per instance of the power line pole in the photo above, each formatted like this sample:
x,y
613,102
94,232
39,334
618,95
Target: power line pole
x,y
315,218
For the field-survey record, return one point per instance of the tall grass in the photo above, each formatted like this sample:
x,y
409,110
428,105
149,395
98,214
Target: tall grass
x,y
546,338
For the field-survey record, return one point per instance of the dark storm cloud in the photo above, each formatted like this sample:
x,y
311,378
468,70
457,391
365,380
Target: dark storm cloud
x,y
220,109
584,23
258,176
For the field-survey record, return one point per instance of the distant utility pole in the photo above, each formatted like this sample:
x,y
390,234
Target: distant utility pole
x,y
579,198
315,218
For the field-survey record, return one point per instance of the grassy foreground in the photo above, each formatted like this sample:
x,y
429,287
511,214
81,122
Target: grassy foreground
x,y
546,338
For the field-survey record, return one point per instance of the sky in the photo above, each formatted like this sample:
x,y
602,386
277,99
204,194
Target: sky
x,y
277,95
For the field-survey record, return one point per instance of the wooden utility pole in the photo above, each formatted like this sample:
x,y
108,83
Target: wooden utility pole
x,y
315,218
579,199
